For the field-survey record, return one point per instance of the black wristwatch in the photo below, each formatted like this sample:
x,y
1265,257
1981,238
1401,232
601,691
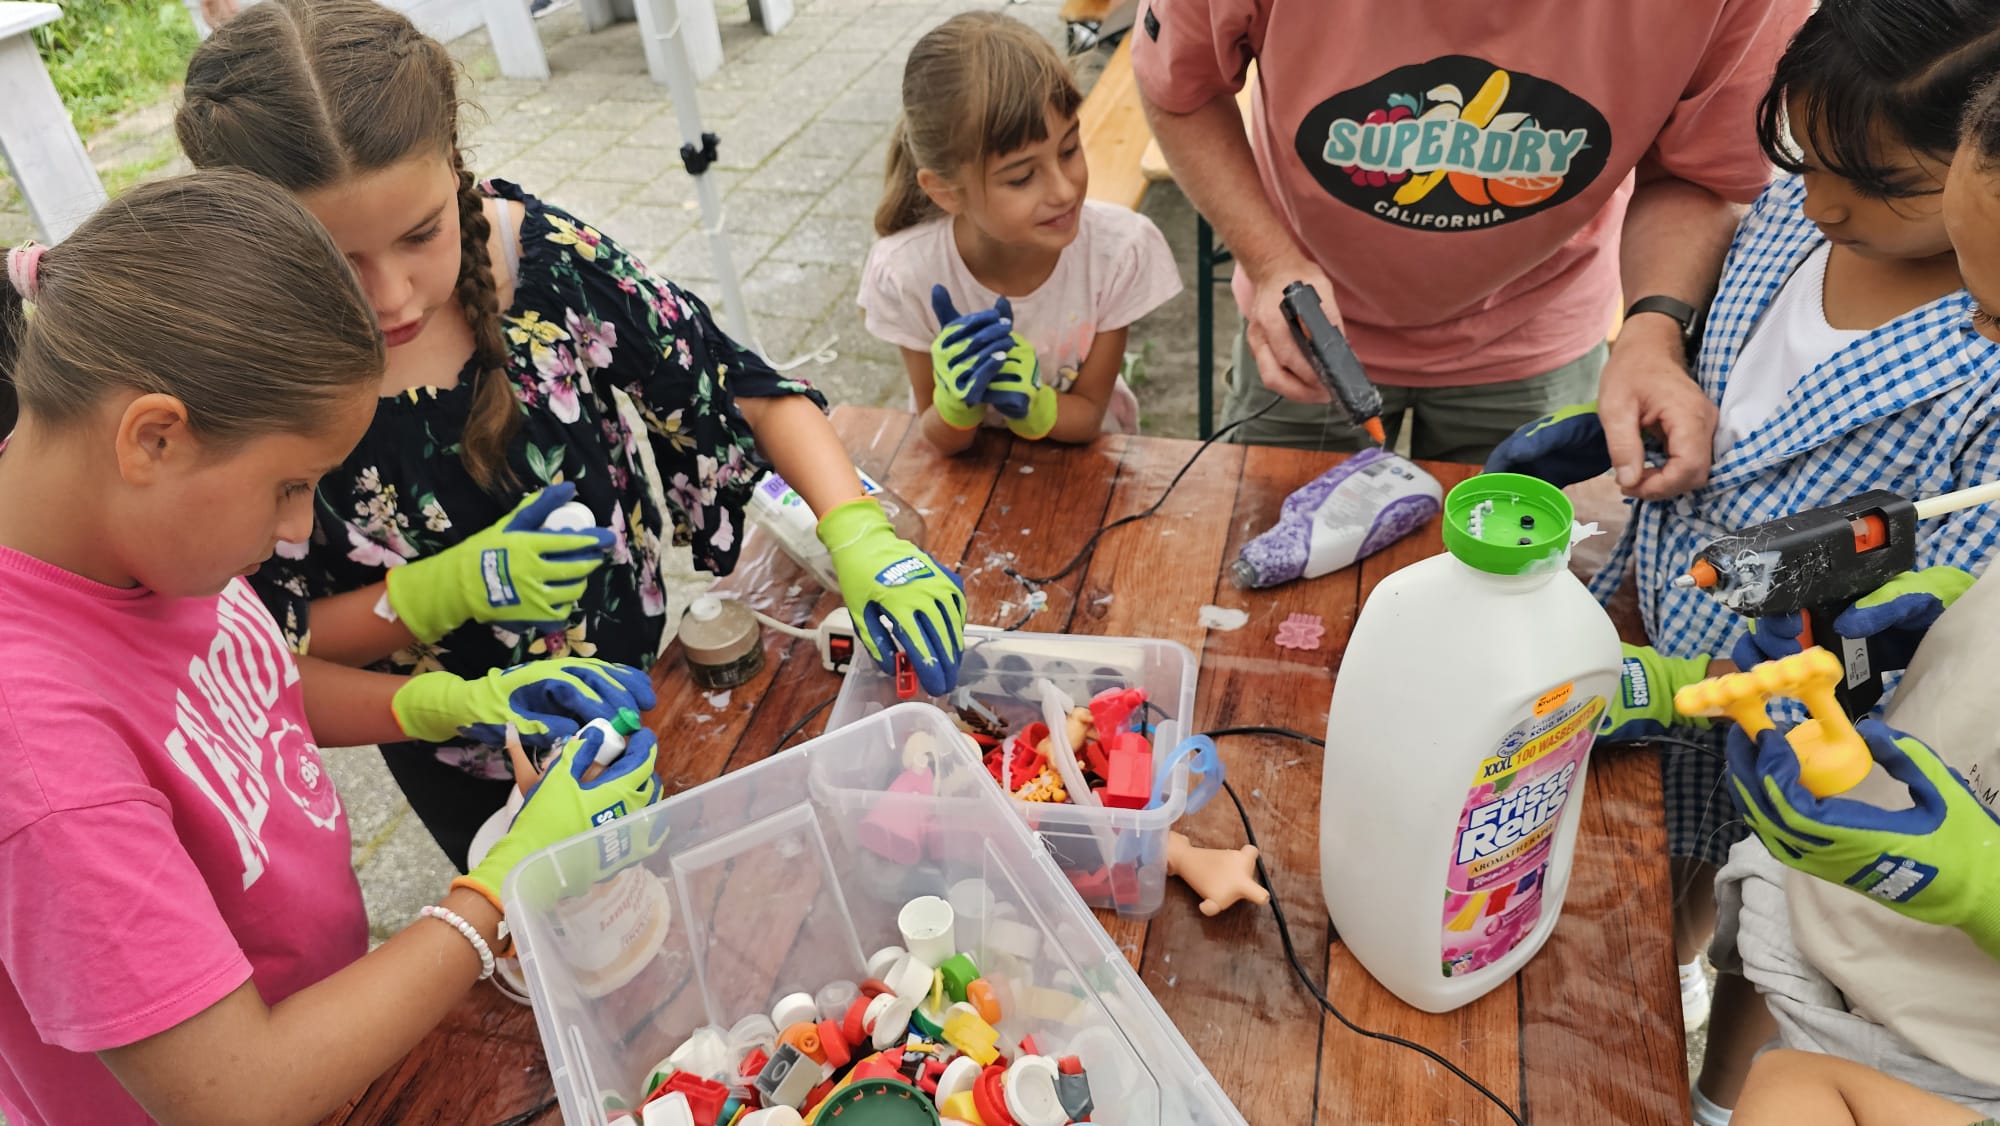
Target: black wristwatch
x,y
1688,316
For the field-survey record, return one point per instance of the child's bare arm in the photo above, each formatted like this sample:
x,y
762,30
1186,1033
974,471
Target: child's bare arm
x,y
347,631
349,707
240,1060
1788,1087
804,448
1080,410
945,437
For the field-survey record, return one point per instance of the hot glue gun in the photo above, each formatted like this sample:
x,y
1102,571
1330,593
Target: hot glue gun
x,y
1333,361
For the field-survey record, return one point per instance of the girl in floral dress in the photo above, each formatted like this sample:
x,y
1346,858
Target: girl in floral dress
x,y
509,324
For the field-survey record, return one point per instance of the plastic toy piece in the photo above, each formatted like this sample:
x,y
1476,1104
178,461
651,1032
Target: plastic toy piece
x,y
1129,785
794,1008
1300,631
1044,787
959,972
926,924
670,1109
906,677
1221,876
1833,758
704,1097
973,1036
804,1037
1112,710
894,829
787,1078
989,1097
981,995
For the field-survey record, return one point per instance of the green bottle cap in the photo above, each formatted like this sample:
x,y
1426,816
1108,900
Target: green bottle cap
x,y
628,722
879,1102
1507,523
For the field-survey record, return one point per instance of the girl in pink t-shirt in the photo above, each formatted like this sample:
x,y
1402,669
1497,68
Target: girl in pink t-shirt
x,y
181,935
985,216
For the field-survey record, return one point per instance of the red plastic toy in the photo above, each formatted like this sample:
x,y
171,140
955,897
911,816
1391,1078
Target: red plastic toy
x,y
1128,783
906,677
705,1096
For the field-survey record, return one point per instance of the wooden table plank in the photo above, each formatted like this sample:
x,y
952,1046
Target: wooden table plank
x,y
1600,1016
1224,981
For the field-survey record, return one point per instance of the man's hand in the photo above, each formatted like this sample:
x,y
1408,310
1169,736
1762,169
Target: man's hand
x,y
1283,368
1646,386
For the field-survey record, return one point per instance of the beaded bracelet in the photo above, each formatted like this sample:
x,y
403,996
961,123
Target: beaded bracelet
x,y
455,921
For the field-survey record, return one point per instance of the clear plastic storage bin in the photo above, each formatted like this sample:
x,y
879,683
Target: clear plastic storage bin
x,y
1115,858
785,875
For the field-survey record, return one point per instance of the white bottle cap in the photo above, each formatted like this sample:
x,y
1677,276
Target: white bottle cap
x,y
1030,1088
706,608
893,1026
884,960
794,1008
572,517
926,923
670,1109
911,979
959,1077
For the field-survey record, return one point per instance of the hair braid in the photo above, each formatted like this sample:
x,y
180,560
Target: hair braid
x,y
496,411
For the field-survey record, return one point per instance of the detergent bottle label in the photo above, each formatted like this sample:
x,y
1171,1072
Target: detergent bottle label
x,y
1506,833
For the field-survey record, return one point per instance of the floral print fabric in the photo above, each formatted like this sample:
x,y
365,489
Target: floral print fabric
x,y
587,318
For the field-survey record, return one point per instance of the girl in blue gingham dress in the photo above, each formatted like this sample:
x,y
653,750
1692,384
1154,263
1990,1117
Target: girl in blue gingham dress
x,y
1911,406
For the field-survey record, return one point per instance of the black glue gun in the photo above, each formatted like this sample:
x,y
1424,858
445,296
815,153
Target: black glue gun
x,y
1332,360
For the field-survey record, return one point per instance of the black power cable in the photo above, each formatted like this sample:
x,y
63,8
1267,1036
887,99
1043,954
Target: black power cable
x,y
1292,953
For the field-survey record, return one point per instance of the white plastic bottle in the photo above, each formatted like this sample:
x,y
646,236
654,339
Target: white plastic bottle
x,y
1461,725
778,508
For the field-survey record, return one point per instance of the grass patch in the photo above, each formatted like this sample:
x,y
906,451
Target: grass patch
x,y
106,56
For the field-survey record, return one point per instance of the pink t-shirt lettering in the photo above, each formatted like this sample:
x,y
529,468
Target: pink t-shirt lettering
x,y
167,830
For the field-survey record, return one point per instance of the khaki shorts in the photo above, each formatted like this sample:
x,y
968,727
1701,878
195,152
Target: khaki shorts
x,y
1460,424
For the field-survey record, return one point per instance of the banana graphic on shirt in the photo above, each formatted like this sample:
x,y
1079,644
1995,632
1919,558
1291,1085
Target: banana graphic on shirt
x,y
1477,113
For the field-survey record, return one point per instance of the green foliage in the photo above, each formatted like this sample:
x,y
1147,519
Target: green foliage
x,y
106,56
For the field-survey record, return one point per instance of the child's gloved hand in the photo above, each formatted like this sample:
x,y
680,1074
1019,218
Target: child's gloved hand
x,y
1561,448
1899,612
547,701
964,357
1646,686
1016,389
562,804
1895,616
1934,862
512,572
900,598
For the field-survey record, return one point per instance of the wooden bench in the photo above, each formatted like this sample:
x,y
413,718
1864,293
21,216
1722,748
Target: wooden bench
x,y
51,170
1115,134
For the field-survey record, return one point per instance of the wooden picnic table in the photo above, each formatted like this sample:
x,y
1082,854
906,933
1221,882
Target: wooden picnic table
x,y
1589,1032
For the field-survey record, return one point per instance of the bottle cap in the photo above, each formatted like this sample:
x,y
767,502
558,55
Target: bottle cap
x,y
1507,523
879,1102
1243,575
705,608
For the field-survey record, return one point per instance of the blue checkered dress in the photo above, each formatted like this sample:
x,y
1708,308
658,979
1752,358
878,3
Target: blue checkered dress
x,y
1913,407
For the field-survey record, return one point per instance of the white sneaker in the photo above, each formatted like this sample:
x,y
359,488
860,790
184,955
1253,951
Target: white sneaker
x,y
1706,1113
1694,995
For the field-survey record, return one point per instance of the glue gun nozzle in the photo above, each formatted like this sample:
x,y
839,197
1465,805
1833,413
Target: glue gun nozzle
x,y
1683,582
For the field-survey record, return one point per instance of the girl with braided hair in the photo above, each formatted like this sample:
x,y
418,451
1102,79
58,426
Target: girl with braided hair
x,y
509,324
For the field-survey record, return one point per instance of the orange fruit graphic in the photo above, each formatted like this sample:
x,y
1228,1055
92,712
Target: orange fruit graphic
x,y
1523,191
1471,189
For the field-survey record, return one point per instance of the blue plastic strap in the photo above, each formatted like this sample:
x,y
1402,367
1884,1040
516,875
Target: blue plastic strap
x,y
1204,762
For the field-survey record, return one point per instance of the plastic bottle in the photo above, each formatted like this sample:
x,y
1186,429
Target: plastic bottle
x,y
1461,725
1351,511
572,517
777,508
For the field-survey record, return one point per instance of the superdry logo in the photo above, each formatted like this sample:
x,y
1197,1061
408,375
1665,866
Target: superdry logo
x,y
903,571
1454,144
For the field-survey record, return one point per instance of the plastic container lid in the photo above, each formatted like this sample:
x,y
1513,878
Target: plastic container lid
x,y
880,1102
1507,523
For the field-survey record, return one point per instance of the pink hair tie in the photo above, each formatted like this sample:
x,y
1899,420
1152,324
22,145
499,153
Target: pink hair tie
x,y
23,263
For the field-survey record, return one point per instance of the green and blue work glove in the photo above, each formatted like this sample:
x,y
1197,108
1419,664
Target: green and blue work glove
x,y
562,804
513,573
1647,682
1934,861
900,598
1561,448
1016,389
546,701
1894,618
964,357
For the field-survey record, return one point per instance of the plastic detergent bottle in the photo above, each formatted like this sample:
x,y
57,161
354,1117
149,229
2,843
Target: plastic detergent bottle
x,y
777,508
1462,719
1351,511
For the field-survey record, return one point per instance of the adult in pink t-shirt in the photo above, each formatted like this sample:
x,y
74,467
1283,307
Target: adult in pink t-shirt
x,y
166,823
1469,187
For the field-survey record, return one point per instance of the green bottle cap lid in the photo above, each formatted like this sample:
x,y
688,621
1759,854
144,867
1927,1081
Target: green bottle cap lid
x,y
879,1102
1507,523
628,722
